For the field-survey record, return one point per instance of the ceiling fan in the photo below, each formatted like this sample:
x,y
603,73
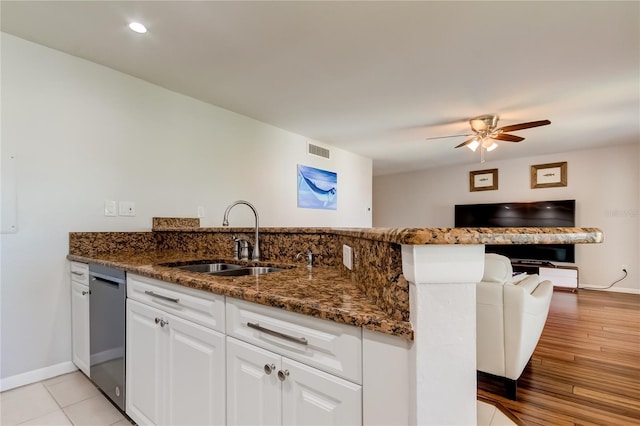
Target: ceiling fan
x,y
486,132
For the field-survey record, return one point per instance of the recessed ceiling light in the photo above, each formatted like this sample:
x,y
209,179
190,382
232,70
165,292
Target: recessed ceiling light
x,y
138,27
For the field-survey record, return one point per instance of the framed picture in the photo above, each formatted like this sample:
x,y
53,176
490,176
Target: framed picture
x,y
483,180
317,188
549,175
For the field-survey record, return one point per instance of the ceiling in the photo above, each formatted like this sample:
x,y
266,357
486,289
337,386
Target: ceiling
x,y
375,78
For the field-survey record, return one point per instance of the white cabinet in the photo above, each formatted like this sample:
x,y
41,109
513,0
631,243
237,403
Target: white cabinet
x,y
275,374
253,389
327,345
80,315
274,367
264,388
560,276
144,363
175,366
313,397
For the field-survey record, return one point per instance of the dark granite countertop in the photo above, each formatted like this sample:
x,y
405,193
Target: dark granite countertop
x,y
323,292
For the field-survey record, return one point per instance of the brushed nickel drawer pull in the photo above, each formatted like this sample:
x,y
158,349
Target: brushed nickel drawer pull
x,y
282,375
160,296
161,321
80,274
258,327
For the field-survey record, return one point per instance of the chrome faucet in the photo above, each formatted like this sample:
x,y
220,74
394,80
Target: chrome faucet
x,y
225,222
309,257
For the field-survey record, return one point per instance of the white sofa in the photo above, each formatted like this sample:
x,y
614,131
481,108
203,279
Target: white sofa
x,y
510,318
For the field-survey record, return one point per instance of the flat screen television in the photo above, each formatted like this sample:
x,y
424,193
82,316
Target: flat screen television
x,y
535,214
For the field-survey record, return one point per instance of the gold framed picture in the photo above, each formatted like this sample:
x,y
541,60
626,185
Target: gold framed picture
x,y
549,175
483,180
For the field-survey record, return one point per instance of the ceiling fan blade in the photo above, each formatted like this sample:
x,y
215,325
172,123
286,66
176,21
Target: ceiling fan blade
x,y
465,143
508,138
522,126
450,136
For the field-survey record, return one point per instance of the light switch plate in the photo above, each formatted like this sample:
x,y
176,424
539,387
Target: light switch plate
x,y
127,208
110,208
347,256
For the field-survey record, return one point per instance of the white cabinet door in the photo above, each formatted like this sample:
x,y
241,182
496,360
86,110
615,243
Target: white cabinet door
x,y
80,325
146,349
253,394
195,387
304,396
313,397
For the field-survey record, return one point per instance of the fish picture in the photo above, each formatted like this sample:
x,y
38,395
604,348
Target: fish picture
x,y
317,189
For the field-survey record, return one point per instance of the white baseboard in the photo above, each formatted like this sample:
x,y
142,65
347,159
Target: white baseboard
x,y
36,375
613,289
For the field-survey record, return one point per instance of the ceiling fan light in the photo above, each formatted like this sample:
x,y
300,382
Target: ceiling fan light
x,y
492,146
473,145
138,27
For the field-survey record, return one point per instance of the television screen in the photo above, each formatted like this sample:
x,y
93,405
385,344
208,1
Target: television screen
x,y
535,214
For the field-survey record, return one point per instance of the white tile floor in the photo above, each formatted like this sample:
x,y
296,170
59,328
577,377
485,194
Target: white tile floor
x,y
70,399
488,415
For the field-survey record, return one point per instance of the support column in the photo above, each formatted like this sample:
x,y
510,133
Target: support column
x,y
443,315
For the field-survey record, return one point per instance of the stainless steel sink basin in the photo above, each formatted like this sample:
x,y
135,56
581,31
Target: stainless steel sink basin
x,y
222,269
252,270
210,267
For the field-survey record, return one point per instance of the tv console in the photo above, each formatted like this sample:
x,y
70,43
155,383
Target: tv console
x,y
563,277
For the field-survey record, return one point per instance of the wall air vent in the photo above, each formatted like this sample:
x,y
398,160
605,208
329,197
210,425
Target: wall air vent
x,y
318,150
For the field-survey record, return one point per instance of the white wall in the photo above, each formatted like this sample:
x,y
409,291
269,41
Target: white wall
x,y
604,183
83,134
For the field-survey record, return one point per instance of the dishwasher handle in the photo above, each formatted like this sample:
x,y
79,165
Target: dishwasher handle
x,y
107,278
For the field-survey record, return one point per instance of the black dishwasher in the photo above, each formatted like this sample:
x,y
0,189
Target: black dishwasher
x,y
108,294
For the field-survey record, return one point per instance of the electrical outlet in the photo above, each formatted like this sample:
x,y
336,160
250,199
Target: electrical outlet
x,y
347,256
201,211
127,208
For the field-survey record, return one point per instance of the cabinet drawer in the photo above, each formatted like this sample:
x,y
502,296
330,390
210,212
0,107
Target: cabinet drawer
x,y
199,306
558,272
560,277
80,273
327,345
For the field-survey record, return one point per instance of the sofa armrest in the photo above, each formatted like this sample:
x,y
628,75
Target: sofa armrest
x,y
530,283
490,328
525,316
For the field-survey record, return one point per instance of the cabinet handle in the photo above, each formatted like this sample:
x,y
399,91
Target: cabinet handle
x,y
161,322
80,274
85,292
282,375
258,327
160,296
269,368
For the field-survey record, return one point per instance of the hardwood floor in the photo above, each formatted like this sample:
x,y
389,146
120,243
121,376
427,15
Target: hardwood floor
x,y
586,367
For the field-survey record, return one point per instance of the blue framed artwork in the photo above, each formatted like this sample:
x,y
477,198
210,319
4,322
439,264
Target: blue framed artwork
x,y
317,189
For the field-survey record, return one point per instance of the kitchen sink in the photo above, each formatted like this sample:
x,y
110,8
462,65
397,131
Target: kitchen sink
x,y
222,269
252,270
210,267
